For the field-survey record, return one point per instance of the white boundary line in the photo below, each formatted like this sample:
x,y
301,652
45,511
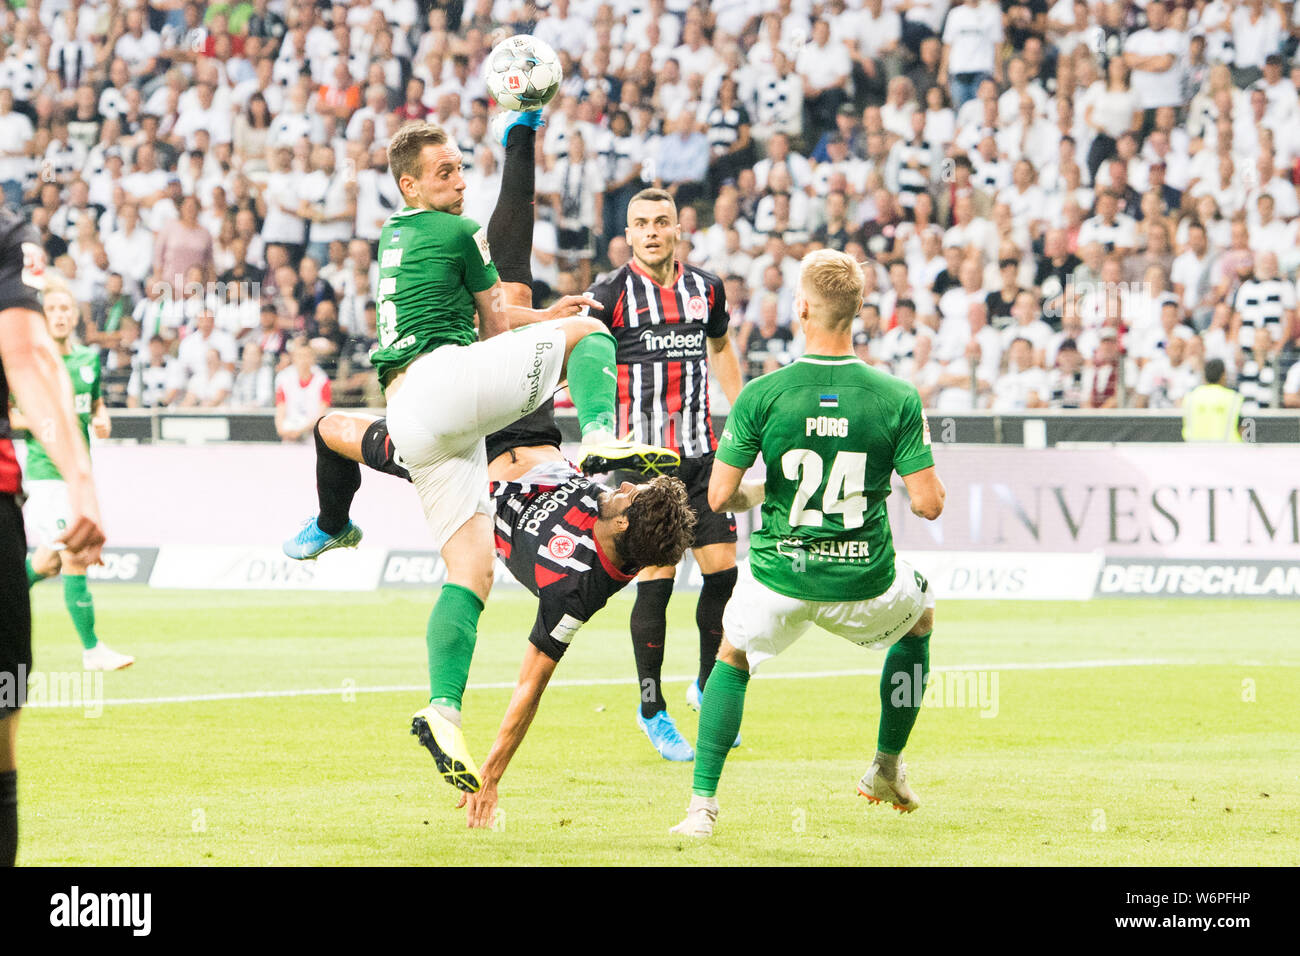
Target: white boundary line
x,y
607,682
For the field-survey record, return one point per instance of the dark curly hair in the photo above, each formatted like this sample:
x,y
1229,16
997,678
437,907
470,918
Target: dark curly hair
x,y
660,525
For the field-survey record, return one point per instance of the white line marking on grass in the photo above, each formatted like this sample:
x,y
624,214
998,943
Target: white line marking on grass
x,y
607,682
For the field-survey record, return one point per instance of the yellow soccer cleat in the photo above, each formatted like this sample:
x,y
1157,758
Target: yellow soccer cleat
x,y
445,741
601,456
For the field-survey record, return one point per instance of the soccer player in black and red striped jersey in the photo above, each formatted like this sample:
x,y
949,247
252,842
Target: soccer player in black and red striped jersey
x,y
669,320
568,540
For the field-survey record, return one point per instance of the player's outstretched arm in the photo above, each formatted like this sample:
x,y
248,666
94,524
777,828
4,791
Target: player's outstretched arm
x,y
927,493
729,492
496,301
534,675
41,385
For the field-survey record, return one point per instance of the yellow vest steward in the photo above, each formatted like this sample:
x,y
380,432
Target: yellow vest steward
x,y
1210,413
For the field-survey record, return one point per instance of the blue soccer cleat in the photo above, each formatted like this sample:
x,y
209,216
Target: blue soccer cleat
x,y
693,698
663,733
311,542
506,121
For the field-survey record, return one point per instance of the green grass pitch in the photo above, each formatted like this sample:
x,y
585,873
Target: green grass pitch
x,y
1166,735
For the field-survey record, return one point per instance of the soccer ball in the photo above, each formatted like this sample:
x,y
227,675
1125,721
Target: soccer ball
x,y
523,73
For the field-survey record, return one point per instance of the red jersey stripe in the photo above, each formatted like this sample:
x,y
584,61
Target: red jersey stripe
x,y
616,321
11,476
579,519
544,575
673,395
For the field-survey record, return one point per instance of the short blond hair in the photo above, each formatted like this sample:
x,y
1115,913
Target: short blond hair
x,y
55,284
832,283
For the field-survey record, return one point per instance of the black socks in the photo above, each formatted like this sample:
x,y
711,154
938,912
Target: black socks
x,y
649,625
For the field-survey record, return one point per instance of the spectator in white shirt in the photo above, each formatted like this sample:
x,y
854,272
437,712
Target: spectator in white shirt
x,y
138,47
16,131
1024,384
1155,56
874,50
210,386
971,36
1109,110
1191,278
826,69
1110,228
1028,326
302,395
130,248
1256,32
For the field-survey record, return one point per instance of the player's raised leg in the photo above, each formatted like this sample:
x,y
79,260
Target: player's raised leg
x,y
343,439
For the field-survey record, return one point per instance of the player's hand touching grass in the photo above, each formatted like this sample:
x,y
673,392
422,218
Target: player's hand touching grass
x,y
534,674
480,808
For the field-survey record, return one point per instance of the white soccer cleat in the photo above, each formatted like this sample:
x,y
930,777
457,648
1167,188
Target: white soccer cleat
x,y
700,817
693,696
896,792
101,657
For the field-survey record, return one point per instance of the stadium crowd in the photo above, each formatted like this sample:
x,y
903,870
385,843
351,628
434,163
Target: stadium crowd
x,y
1068,205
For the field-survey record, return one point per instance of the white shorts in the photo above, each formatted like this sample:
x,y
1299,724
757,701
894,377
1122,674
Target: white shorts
x,y
762,623
454,396
46,512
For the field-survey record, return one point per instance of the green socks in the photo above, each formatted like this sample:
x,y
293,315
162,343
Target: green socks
x,y
902,684
452,631
82,608
32,576
593,381
721,709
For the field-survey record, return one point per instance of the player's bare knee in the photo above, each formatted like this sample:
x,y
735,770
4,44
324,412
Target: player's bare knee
x,y
578,328
344,432
924,625
730,655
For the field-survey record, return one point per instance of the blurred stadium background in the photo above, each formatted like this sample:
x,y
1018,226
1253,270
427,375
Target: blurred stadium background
x,y
1067,210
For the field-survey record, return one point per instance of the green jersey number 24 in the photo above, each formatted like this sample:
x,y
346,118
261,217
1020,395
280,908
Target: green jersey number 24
x,y
843,494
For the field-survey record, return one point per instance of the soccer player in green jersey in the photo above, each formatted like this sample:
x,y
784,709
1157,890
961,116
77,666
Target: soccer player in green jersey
x,y
448,386
830,430
47,493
